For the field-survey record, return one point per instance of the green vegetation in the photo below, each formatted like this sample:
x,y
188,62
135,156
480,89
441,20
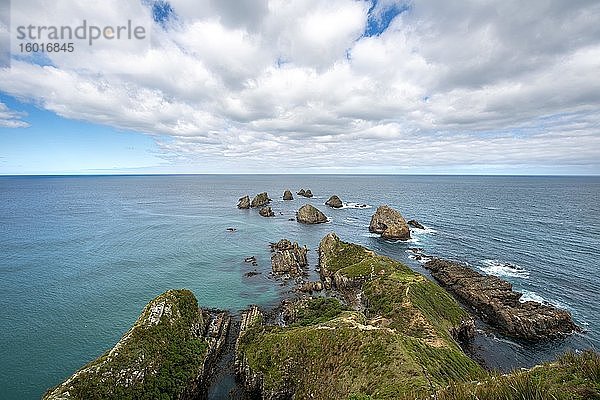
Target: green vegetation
x,y
572,376
157,358
400,346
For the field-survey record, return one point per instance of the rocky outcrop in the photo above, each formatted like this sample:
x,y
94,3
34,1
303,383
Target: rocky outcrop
x,y
334,202
389,223
260,200
415,224
287,195
308,214
309,287
172,337
244,202
288,258
500,306
301,192
305,193
266,212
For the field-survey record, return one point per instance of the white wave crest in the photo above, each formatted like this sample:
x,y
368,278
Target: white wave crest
x,y
356,205
502,268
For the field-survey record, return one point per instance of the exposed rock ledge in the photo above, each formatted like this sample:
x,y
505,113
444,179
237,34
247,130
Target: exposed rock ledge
x,y
496,302
288,258
170,351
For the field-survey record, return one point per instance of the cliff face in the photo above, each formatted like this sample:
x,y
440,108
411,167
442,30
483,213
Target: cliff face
x,y
167,353
397,341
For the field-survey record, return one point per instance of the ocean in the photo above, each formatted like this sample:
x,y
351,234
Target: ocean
x,y
80,256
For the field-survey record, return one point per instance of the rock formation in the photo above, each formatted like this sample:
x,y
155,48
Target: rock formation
x,y
334,202
496,302
288,258
305,193
389,223
171,338
261,199
415,224
287,195
309,287
308,214
244,202
301,192
266,212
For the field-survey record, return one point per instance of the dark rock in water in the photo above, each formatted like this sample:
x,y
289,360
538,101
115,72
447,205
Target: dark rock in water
x,y
250,259
389,223
308,193
308,214
266,212
287,195
171,338
252,273
244,202
415,224
261,199
231,229
499,305
301,192
291,219
288,258
334,202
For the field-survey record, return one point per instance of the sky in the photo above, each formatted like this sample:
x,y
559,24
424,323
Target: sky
x,y
306,86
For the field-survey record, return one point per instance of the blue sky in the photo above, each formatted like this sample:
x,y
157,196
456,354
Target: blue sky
x,y
310,87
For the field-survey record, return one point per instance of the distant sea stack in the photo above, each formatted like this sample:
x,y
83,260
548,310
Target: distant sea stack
x,y
389,223
334,201
287,195
266,212
308,214
170,352
244,202
499,305
260,200
305,193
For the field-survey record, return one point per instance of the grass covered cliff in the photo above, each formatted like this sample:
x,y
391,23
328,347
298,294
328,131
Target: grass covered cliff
x,y
398,342
163,356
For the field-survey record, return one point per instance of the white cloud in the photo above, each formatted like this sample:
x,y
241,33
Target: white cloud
x,y
297,84
11,119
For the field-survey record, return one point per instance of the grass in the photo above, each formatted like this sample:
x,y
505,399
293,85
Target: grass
x,y
315,311
166,354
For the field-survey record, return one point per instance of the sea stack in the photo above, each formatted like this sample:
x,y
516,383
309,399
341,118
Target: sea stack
x,y
308,214
389,223
261,199
334,202
287,195
266,212
244,202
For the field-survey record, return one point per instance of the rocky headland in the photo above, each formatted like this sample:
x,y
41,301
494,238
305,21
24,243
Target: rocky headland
x,y
499,305
169,352
389,223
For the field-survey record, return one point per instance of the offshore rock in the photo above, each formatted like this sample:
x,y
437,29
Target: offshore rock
x,y
288,258
244,202
415,224
500,306
301,192
334,202
266,212
287,195
261,199
308,214
389,223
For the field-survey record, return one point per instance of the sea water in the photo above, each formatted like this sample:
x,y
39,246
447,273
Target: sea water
x,y
81,256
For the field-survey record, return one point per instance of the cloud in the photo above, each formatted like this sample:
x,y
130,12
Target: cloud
x,y
11,119
343,83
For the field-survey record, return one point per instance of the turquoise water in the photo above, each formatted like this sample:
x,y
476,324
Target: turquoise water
x,y
81,256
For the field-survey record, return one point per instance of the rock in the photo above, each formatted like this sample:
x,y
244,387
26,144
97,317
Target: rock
x,y
497,303
251,273
244,202
266,212
301,192
287,195
231,229
415,224
308,214
309,287
172,337
251,259
288,258
291,219
308,193
334,202
261,199
389,223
